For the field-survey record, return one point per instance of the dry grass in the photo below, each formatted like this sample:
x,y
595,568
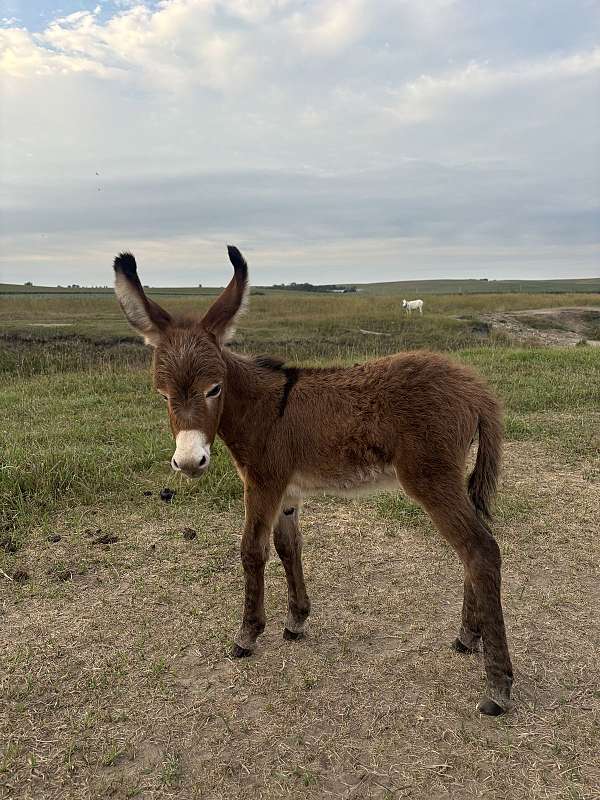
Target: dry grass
x,y
274,316
115,680
114,675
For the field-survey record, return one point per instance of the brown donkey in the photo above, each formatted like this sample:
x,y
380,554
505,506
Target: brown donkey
x,y
408,419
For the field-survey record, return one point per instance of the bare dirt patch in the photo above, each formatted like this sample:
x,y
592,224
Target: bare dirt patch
x,y
557,327
119,685
49,324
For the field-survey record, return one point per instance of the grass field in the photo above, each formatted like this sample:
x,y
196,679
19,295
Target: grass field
x,y
114,675
295,326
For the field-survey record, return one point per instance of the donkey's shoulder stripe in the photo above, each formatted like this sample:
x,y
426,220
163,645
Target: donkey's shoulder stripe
x,y
291,377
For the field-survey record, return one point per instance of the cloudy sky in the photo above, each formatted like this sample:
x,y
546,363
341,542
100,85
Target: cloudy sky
x,y
331,140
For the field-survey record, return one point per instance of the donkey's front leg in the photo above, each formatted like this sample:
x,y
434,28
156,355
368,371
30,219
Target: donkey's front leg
x,y
261,512
288,543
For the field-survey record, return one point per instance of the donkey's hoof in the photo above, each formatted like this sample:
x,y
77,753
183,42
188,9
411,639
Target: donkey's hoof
x,y
459,647
240,652
489,707
292,636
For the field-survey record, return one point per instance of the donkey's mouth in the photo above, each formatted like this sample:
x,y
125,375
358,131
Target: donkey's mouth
x,y
192,474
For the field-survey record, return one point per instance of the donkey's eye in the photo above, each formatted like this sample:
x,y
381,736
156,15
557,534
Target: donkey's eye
x,y
215,391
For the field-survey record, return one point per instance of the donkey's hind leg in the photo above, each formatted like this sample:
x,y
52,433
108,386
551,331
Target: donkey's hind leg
x,y
446,501
469,635
288,543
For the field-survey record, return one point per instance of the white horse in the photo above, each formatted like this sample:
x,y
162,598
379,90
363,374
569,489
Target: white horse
x,y
411,305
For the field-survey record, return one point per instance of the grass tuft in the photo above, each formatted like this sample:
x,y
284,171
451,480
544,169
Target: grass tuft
x,y
171,771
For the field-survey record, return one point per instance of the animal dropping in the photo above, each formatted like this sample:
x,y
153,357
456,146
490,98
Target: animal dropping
x,y
106,538
404,421
61,575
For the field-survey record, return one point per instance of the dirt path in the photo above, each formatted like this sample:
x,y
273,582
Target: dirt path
x,y
556,310
116,683
566,326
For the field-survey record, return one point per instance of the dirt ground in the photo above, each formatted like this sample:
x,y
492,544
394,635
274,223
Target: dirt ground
x,y
565,327
115,680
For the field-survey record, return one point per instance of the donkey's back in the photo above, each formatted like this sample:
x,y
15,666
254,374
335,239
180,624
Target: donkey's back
x,y
356,429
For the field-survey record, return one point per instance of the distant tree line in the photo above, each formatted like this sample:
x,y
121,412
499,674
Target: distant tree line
x,y
309,287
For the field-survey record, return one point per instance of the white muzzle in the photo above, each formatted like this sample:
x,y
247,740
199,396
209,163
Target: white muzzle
x,y
192,453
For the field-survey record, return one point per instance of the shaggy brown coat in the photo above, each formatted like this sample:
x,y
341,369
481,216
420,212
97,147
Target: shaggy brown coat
x,y
409,419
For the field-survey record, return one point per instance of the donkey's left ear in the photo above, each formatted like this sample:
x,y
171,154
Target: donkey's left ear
x,y
143,314
221,317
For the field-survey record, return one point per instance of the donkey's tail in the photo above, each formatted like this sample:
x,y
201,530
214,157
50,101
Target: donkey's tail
x,y
484,478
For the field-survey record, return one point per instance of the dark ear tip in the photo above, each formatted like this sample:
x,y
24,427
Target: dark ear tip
x,y
125,262
236,258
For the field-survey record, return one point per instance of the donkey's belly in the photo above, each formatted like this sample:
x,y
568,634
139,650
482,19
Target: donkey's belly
x,y
362,480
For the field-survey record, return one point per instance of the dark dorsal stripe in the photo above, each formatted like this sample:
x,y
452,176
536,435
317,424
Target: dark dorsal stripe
x,y
291,375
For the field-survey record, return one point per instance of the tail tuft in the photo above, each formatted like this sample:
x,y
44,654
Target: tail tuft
x,y
483,481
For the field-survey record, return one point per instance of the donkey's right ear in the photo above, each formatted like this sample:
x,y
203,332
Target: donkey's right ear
x,y
143,314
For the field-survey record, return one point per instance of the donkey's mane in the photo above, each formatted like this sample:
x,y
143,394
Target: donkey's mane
x,y
275,364
270,362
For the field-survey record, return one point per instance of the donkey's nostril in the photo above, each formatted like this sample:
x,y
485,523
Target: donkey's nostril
x,y
202,461
175,464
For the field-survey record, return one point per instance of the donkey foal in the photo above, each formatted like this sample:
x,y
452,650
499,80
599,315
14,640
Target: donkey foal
x,y
407,419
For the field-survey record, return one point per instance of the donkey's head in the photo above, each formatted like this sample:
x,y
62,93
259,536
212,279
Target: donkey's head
x,y
189,369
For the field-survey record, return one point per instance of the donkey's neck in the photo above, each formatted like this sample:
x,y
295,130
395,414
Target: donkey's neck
x,y
251,392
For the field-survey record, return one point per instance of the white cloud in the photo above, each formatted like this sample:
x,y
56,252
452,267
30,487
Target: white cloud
x,y
191,42
301,121
173,47
423,98
22,58
329,27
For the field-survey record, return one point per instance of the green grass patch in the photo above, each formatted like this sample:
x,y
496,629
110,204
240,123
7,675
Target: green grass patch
x,y
26,354
79,439
81,426
541,379
82,439
395,506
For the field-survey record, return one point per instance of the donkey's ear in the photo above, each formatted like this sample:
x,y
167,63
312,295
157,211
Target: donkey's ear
x,y
143,314
221,317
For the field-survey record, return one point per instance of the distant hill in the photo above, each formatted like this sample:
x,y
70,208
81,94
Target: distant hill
x,y
405,288
483,286
15,288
